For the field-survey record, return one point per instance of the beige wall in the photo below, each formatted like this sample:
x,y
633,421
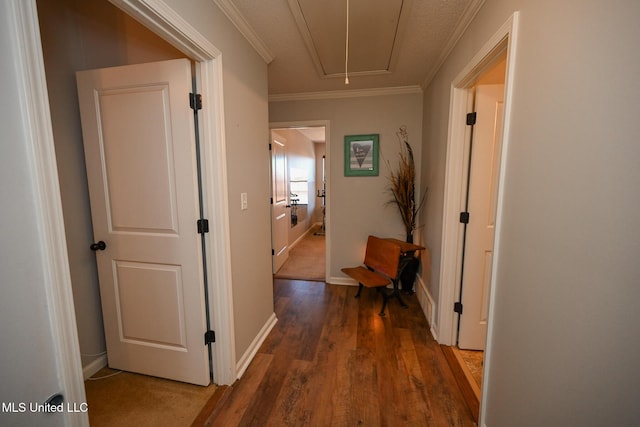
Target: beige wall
x,y
79,35
247,137
358,205
565,334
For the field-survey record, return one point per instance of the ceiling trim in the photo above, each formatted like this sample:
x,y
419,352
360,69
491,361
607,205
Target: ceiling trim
x,y
337,94
313,52
356,74
306,36
469,13
234,15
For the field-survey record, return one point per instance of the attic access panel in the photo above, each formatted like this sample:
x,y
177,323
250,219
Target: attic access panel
x,y
374,28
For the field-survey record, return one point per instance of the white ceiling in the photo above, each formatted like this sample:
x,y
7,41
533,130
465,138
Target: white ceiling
x,y
392,43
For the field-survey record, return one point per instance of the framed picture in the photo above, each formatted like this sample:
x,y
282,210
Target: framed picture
x,y
361,155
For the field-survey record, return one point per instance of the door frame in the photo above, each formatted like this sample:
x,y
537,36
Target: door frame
x,y
327,199
167,24
159,18
34,108
455,185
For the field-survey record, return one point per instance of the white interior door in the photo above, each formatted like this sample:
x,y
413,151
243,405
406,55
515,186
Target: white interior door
x,y
280,202
483,187
139,142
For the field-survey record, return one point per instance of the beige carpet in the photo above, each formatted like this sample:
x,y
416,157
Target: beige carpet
x,y
474,361
306,259
130,399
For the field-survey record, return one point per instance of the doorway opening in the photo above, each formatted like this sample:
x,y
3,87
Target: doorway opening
x,y
475,174
207,73
299,165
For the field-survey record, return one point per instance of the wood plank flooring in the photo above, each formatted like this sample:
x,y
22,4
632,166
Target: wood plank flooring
x,y
332,361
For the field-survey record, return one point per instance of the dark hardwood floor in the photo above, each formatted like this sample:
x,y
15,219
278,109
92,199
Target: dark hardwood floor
x,y
332,361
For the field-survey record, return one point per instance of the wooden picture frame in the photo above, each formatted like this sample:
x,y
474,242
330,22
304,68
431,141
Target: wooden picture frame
x,y
361,155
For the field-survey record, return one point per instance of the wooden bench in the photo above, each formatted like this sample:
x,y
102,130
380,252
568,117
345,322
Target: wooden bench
x,y
381,268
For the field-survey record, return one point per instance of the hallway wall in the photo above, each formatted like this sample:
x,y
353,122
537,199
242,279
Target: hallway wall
x,y
566,284
357,206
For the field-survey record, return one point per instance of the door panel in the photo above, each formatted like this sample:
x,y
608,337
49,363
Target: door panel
x,y
138,284
143,157
139,142
478,256
279,207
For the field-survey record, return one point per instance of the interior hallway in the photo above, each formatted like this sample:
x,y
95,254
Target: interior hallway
x,y
331,360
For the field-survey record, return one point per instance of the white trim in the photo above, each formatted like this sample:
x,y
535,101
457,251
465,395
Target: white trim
x,y
248,355
93,367
237,19
34,107
166,23
327,183
427,303
218,240
301,24
339,94
342,281
468,14
160,18
451,227
506,36
510,30
455,172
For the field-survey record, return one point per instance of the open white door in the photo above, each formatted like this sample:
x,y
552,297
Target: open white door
x,y
279,202
139,142
483,187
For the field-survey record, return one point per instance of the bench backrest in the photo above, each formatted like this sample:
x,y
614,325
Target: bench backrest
x,y
382,256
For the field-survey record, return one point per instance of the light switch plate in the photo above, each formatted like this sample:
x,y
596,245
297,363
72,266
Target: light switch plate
x,y
243,201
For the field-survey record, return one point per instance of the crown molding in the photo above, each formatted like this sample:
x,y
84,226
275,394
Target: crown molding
x,y
469,13
236,17
354,93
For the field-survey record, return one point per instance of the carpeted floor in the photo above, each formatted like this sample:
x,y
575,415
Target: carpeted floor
x,y
306,259
474,361
128,399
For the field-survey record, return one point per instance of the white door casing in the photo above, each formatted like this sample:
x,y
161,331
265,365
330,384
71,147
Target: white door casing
x,y
140,153
280,202
483,180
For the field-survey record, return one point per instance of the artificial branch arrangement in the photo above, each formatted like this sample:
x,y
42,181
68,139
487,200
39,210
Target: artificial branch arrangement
x,y
402,185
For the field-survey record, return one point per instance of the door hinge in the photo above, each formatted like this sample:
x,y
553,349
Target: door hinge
x,y
270,147
203,226
209,337
195,101
471,119
457,307
273,252
464,217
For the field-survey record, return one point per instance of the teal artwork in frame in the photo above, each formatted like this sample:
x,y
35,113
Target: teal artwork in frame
x,y
361,155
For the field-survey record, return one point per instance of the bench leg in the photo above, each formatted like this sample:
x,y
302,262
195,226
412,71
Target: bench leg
x,y
402,303
359,290
385,298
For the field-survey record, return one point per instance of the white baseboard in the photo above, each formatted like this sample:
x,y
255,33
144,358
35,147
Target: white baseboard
x,y
346,281
248,355
426,302
94,366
